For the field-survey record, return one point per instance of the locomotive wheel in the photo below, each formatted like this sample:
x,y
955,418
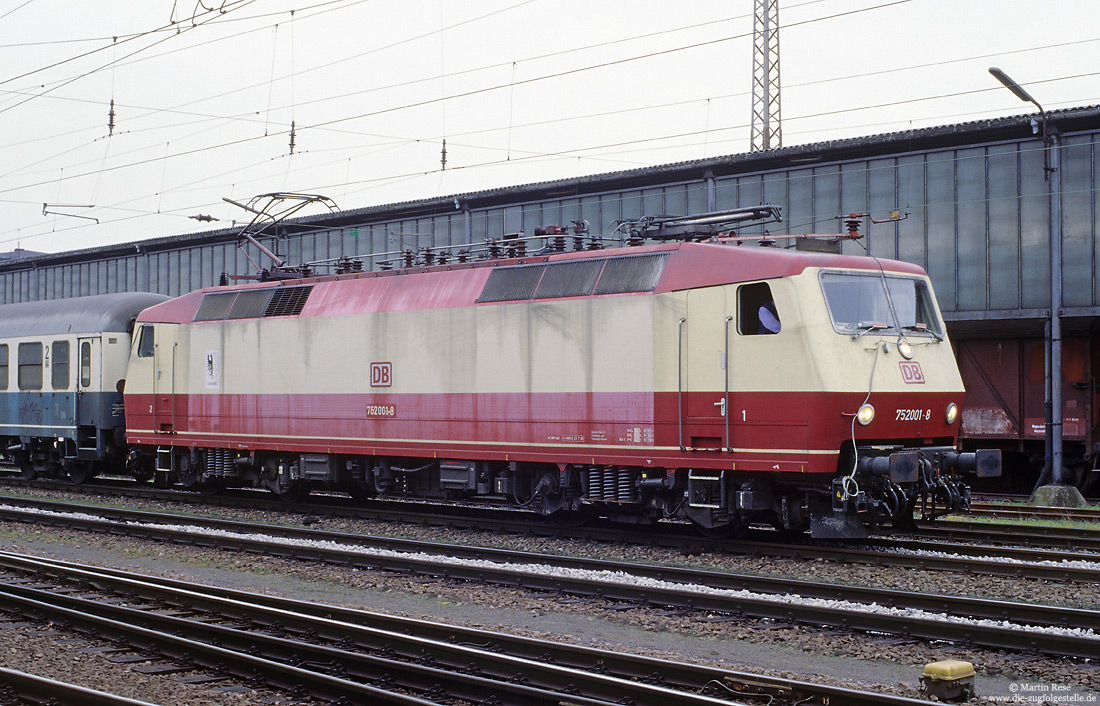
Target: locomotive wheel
x,y
361,491
730,531
27,469
574,518
81,472
296,492
190,478
1079,475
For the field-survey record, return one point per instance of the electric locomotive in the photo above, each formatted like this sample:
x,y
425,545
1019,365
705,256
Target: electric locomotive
x,y
701,376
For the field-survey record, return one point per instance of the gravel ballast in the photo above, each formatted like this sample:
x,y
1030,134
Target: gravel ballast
x,y
882,662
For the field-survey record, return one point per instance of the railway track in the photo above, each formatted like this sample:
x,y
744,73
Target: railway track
x,y
19,687
991,624
947,545
1076,539
362,657
665,534
1001,510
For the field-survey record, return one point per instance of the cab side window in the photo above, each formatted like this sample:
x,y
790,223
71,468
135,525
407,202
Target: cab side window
x,y
4,367
756,312
59,369
30,366
145,342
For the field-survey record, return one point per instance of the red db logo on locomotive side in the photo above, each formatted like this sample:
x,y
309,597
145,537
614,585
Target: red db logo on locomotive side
x,y
911,373
381,374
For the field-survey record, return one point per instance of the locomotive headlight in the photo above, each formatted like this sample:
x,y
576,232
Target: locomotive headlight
x,y
906,349
952,413
865,414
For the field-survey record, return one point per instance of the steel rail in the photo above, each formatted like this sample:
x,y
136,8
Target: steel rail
x,y
1086,514
1071,538
460,671
205,655
505,568
967,558
40,690
682,675
982,551
665,534
959,606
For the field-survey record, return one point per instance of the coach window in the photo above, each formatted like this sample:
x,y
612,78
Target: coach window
x,y
59,369
85,364
756,312
145,342
4,367
30,366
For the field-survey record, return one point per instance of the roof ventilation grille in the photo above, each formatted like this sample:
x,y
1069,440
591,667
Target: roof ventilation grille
x,y
287,301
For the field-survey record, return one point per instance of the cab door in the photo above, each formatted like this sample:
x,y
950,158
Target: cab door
x,y
164,379
705,369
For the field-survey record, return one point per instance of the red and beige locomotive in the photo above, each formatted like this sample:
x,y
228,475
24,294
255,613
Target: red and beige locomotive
x,y
699,377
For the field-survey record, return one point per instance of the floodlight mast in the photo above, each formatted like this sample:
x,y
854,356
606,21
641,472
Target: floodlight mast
x,y
1054,398
1019,92
1016,88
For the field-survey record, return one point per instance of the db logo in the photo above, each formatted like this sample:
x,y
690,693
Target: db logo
x,y
381,375
911,373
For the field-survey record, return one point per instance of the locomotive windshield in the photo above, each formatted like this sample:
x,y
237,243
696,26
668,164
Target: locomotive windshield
x,y
872,302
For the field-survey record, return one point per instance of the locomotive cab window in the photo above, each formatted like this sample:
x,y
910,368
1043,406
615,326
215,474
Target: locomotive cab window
x,y
871,302
4,367
913,305
59,369
756,312
30,366
145,342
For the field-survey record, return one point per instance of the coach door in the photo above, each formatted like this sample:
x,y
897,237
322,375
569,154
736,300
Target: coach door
x,y
704,371
88,382
164,378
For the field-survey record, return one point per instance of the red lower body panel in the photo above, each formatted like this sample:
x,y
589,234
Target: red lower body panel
x,y
773,432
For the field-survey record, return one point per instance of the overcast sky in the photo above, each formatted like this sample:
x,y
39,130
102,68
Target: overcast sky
x,y
523,91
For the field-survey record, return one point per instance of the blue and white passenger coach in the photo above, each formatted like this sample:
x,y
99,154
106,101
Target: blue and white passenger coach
x,y
62,372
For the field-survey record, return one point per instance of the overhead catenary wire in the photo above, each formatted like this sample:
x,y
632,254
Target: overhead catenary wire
x,y
569,152
375,181
570,71
791,86
589,150
97,69
114,40
537,57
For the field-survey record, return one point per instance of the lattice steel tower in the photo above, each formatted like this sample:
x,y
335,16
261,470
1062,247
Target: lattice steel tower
x,y
766,131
